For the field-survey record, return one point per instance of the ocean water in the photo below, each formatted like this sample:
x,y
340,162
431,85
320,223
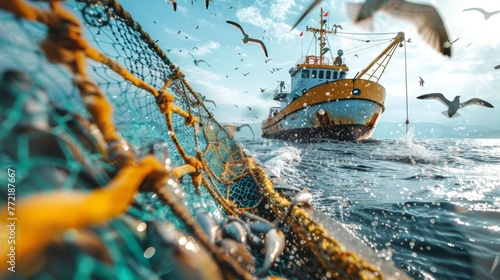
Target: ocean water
x,y
432,206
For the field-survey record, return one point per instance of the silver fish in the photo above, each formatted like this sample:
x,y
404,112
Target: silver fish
x,y
274,244
235,230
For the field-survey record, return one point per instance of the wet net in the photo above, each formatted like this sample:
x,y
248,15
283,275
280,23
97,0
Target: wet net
x,y
113,168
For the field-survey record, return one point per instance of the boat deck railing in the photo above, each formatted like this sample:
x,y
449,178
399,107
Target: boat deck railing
x,y
324,61
281,91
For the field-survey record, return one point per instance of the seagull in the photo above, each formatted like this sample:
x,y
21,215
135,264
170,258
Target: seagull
x,y
211,101
196,61
267,60
454,105
262,89
451,42
309,9
247,39
245,74
239,127
497,67
421,82
425,17
174,4
249,108
486,14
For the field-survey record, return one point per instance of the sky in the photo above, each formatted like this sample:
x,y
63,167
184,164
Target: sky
x,y
205,34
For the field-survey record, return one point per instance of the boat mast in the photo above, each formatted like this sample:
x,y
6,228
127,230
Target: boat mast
x,y
382,60
322,38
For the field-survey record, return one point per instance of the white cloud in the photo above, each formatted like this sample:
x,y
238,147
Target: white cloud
x,y
281,8
206,48
279,30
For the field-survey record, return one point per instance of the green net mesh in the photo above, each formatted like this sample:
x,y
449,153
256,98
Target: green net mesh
x,y
49,142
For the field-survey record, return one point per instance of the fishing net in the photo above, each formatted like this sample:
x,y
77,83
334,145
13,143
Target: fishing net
x,y
110,161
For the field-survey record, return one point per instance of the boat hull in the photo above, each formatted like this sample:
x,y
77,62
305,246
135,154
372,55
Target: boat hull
x,y
330,111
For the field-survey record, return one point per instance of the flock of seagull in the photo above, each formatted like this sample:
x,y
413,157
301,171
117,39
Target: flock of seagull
x,y
426,19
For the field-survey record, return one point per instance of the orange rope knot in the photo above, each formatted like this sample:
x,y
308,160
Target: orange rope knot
x,y
196,176
161,101
176,73
190,120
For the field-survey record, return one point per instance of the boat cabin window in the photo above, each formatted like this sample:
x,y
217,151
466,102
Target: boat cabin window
x,y
321,74
328,75
305,73
314,73
335,75
342,74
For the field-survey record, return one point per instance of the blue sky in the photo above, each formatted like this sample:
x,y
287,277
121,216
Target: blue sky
x,y
206,35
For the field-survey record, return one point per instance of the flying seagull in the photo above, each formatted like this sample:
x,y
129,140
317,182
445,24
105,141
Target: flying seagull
x,y
196,61
451,42
497,67
454,105
246,38
174,4
211,101
307,11
486,14
421,82
425,17
239,127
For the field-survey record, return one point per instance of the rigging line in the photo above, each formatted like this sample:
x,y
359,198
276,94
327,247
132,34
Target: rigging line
x,y
364,40
406,89
370,34
368,47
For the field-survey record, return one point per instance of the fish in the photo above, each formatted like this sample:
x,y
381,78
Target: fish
x,y
274,244
209,225
238,252
454,105
246,38
235,230
179,256
256,223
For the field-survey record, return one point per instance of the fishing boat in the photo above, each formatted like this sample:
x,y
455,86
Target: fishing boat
x,y
321,103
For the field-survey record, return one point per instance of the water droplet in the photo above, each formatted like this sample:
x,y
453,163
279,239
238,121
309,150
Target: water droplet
x,y
141,227
149,252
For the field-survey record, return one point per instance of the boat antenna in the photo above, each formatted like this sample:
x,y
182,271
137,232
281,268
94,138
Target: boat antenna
x,y
407,122
302,44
